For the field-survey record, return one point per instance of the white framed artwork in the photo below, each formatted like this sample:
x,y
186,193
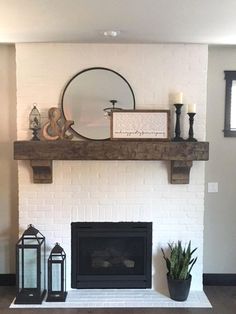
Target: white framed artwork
x,y
141,124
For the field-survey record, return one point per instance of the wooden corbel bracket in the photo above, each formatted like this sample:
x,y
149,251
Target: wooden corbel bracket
x,y
42,171
180,171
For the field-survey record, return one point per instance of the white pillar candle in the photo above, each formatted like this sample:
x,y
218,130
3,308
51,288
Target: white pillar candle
x,y
178,98
192,108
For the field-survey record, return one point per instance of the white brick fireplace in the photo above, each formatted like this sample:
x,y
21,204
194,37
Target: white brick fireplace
x,y
115,190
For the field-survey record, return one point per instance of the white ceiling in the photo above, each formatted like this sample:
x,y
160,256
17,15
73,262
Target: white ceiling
x,y
140,21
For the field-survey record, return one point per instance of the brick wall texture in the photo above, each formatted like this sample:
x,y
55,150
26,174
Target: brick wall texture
x,y
115,190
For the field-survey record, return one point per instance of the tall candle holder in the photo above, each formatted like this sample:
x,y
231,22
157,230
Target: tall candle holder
x,y
177,137
190,132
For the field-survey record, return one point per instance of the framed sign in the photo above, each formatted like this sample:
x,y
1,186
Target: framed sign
x,y
141,124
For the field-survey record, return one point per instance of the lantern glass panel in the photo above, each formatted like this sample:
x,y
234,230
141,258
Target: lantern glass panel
x,y
20,269
29,240
30,268
43,284
34,119
56,276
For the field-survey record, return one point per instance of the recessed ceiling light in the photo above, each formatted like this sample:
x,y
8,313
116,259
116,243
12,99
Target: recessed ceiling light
x,y
111,33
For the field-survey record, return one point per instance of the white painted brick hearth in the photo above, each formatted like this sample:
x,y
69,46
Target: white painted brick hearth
x,y
121,298
113,190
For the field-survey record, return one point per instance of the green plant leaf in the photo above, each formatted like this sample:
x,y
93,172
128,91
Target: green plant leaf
x,y
180,262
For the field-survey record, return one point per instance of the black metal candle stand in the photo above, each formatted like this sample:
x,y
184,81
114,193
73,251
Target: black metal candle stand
x,y
190,132
177,137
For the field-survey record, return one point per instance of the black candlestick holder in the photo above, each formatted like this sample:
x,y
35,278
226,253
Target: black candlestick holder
x,y
190,132
177,137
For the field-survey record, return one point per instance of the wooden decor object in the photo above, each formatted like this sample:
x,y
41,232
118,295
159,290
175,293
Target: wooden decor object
x,y
55,129
180,171
41,154
42,171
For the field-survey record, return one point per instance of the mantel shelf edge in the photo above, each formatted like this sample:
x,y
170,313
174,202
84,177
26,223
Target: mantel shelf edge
x,y
42,153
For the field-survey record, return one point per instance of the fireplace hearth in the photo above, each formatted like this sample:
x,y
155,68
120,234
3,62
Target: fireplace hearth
x,y
111,255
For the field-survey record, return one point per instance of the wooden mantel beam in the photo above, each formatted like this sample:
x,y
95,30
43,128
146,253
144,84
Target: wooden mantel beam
x,y
42,153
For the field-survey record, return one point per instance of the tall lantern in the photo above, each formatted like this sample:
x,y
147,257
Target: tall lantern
x,y
30,267
57,275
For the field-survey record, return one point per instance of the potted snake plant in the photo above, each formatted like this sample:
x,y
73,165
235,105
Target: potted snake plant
x,y
179,265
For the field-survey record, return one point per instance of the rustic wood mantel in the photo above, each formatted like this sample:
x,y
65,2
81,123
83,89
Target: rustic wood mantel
x,y
42,153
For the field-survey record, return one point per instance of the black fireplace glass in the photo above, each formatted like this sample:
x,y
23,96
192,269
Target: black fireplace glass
x,y
111,255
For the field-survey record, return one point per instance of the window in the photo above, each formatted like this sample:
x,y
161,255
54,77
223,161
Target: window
x,y
230,104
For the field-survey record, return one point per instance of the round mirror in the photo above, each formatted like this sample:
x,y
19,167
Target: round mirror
x,y
89,97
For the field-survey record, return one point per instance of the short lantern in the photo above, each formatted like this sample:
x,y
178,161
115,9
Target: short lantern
x,y
35,123
57,275
30,267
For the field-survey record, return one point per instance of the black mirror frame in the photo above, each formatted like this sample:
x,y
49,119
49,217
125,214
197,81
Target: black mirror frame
x,y
229,77
81,72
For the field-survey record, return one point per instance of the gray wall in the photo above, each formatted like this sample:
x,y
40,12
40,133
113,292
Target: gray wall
x,y
220,208
8,171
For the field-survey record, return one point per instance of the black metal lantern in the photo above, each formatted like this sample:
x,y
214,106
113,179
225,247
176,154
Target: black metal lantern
x,y
57,275
35,123
30,267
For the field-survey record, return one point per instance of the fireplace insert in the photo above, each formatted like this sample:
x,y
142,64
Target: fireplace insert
x,y
111,255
